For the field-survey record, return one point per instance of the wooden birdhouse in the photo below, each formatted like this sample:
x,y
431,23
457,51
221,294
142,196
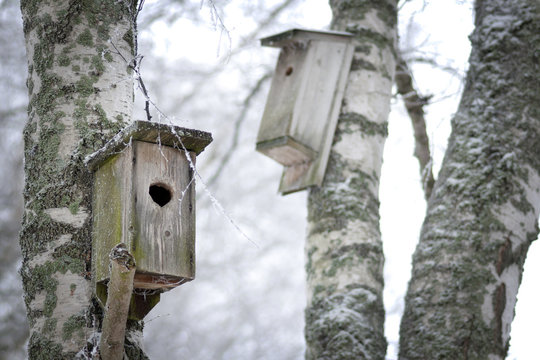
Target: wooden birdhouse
x,y
303,104
144,197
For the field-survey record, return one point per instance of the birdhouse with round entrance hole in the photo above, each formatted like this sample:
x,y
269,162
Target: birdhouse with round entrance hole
x,y
303,104
144,197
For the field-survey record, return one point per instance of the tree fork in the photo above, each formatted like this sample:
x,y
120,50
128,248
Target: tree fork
x,y
483,212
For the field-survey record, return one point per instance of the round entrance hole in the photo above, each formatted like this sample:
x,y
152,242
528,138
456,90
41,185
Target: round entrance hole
x,y
160,194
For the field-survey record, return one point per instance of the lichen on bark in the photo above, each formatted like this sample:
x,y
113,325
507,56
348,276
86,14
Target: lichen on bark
x,y
345,312
80,94
482,215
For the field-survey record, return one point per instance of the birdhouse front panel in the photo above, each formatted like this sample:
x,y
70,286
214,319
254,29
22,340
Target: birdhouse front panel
x,y
164,244
303,104
314,105
275,129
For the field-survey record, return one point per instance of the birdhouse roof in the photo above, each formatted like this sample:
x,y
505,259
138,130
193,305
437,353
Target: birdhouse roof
x,y
296,35
152,132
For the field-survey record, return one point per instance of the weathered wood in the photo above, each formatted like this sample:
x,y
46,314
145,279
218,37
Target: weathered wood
x,y
144,197
152,132
302,108
122,265
286,151
296,35
164,244
162,238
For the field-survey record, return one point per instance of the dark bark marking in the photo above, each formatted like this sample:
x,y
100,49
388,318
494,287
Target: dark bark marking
x,y
505,256
467,340
499,304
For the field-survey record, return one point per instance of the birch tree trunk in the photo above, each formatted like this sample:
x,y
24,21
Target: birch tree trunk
x,y
81,93
345,313
482,215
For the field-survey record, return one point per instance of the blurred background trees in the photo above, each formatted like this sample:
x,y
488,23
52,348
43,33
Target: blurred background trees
x,y
13,328
204,68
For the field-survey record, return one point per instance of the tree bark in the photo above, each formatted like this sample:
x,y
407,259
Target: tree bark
x,y
482,215
81,93
345,312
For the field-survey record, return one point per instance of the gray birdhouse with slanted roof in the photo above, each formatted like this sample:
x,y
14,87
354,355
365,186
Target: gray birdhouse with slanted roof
x,y
303,104
144,197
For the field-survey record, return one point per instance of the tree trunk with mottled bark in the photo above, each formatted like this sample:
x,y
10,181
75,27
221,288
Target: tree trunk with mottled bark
x,y
81,93
345,312
483,213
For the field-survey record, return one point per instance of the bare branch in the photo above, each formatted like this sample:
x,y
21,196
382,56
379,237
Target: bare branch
x,y
433,62
238,125
245,42
414,104
116,310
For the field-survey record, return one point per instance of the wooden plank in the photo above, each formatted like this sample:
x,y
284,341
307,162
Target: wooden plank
x,y
303,35
111,206
284,90
296,178
152,132
286,151
165,242
313,107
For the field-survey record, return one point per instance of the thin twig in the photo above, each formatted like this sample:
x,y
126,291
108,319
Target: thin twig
x,y
237,127
119,292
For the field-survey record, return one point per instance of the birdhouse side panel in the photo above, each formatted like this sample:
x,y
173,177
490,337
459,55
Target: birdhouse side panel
x,y
111,197
284,90
312,116
165,207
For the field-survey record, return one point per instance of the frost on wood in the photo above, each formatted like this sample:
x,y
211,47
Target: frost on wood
x,y
483,213
345,314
